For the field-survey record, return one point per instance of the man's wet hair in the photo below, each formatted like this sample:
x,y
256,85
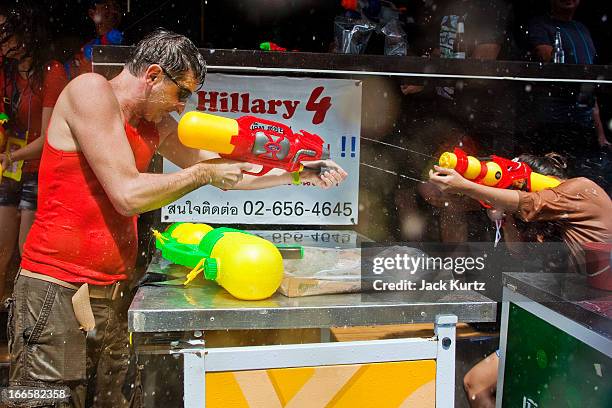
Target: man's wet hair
x,y
551,164
174,52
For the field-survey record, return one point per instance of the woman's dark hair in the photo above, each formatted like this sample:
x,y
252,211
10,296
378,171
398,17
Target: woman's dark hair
x,y
539,231
173,52
551,164
27,23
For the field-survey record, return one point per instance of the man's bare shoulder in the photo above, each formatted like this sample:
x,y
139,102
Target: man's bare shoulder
x,y
90,84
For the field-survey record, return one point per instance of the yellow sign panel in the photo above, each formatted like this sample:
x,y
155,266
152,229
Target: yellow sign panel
x,y
381,385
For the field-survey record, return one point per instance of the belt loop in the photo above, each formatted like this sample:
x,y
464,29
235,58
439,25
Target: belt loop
x,y
116,287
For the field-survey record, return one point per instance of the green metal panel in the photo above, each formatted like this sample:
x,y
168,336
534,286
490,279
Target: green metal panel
x,y
546,367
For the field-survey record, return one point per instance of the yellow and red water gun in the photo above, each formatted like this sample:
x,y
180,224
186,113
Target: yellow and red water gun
x,y
495,171
259,141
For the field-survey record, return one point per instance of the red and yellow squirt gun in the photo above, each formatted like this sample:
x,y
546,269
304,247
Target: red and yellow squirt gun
x,y
495,171
259,141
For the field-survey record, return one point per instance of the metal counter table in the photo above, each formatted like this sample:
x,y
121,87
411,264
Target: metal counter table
x,y
175,321
556,342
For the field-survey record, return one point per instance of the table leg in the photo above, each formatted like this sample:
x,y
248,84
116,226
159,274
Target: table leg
x,y
194,378
445,330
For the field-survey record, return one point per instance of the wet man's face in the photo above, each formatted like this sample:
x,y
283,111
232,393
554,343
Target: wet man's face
x,y
165,97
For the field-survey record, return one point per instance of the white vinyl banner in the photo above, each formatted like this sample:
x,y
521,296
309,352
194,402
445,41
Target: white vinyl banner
x,y
330,108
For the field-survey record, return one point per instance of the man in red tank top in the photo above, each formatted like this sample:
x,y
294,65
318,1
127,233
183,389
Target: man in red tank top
x,y
93,183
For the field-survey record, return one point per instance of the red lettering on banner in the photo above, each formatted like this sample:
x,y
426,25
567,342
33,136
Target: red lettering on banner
x,y
290,106
259,106
207,101
245,103
321,107
220,101
223,99
272,106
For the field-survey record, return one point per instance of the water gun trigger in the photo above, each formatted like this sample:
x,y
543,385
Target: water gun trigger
x,y
194,272
158,236
264,170
485,204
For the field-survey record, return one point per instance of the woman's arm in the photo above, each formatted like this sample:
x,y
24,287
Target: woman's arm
x,y
34,150
448,180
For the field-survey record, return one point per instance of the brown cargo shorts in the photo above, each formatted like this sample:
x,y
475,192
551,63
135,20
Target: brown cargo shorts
x,y
48,348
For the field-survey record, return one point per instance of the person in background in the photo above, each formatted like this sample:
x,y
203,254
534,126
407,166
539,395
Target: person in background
x,y
462,30
106,16
566,116
30,84
578,209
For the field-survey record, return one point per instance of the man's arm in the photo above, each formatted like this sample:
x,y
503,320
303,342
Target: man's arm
x,y
172,149
544,52
99,133
448,180
539,40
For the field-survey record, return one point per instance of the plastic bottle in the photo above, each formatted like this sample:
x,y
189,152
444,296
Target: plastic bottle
x,y
247,266
459,49
558,53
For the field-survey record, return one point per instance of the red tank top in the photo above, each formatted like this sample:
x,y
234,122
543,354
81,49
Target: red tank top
x,y
77,235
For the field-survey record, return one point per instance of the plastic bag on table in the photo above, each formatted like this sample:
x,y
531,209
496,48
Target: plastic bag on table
x,y
352,35
395,39
322,270
326,263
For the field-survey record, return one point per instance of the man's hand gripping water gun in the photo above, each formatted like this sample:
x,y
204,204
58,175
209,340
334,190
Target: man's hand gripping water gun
x,y
257,141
